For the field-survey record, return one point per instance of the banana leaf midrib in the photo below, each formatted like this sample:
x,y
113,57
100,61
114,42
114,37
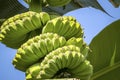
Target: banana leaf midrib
x,y
105,70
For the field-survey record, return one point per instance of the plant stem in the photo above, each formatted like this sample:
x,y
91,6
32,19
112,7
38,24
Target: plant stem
x,y
35,5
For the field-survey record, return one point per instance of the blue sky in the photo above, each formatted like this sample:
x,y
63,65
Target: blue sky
x,y
92,20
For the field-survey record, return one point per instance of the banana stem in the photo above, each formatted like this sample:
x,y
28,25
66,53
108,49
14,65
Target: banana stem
x,y
35,5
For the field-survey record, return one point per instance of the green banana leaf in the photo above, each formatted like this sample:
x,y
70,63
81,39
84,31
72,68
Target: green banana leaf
x,y
9,8
12,7
105,55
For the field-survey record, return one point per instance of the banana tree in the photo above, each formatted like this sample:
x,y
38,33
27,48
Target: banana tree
x,y
50,45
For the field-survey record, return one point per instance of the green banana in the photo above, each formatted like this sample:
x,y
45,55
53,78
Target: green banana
x,y
71,31
36,20
63,61
49,43
56,43
66,27
79,31
34,70
62,41
76,59
57,22
69,57
83,71
48,28
52,63
84,49
28,24
44,17
75,41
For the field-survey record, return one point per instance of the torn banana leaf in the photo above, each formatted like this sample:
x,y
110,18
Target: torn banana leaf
x,y
12,7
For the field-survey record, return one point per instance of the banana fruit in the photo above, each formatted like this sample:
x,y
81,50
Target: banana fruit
x,y
32,71
84,49
83,71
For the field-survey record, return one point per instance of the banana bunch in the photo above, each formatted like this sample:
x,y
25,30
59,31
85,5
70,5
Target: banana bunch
x,y
64,26
66,60
36,49
18,29
58,52
49,46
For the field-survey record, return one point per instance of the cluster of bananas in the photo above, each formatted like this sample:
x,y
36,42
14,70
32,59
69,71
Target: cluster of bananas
x,y
47,48
18,29
64,62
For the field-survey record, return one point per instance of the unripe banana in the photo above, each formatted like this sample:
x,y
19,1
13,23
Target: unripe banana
x,y
63,61
57,2
84,49
62,41
63,30
75,41
69,57
50,44
64,26
56,43
49,27
79,32
76,59
83,71
32,71
37,48
18,29
44,17
57,22
37,19
28,24
71,29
